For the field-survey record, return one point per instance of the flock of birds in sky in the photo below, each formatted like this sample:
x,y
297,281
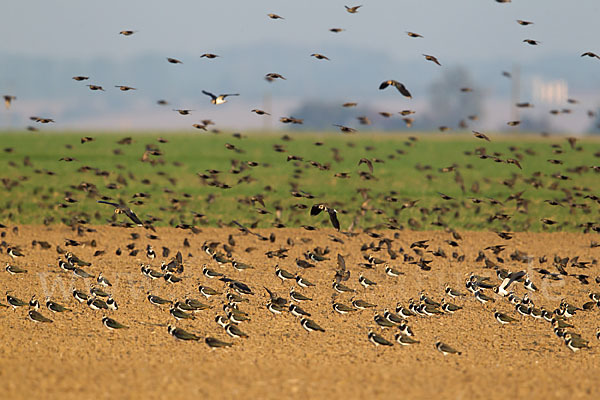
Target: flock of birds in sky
x,y
219,99
383,254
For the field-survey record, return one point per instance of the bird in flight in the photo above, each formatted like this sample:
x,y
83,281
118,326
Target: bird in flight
x,y
8,99
319,56
122,209
317,208
353,10
127,33
401,88
220,99
432,59
590,54
414,35
345,129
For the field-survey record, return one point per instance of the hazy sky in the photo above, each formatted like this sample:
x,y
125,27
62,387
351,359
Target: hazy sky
x,y
458,32
453,29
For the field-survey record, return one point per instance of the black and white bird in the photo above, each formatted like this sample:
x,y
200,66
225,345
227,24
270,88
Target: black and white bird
x,y
36,316
123,209
220,99
310,325
400,86
103,281
446,349
111,324
378,340
317,208
55,307
13,269
181,334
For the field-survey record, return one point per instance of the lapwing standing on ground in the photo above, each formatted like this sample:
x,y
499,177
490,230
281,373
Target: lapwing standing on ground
x,y
111,324
378,340
297,296
103,281
302,282
297,311
275,308
449,307
283,274
112,303
197,305
157,301
362,304
453,293
34,303
310,325
393,318
238,266
55,307
366,282
393,272
14,252
178,314
80,296
383,322
575,343
341,308
405,340
36,316
211,274
503,318
181,334
13,269
96,291
97,304
446,349
15,301
235,332
341,288
215,343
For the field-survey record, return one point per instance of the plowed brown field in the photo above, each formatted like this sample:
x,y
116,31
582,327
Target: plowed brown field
x,y
77,357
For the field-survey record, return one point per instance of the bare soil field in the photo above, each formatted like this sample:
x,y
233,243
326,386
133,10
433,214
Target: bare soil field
x,y
75,356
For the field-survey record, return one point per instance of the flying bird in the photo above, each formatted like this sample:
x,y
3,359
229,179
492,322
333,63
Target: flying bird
x,y
432,59
345,129
353,10
590,54
220,99
319,56
8,99
122,209
400,86
317,208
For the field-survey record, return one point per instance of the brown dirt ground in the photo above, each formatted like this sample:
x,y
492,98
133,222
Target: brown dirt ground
x,y
76,356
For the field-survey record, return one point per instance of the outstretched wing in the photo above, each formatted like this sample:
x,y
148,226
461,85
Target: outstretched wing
x,y
133,217
230,94
316,209
384,85
109,203
212,96
333,218
402,89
